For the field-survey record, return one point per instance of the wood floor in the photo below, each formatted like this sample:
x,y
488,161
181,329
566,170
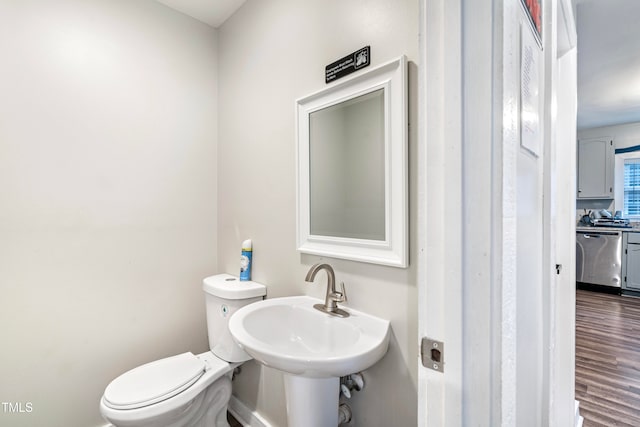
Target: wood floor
x,y
232,421
608,359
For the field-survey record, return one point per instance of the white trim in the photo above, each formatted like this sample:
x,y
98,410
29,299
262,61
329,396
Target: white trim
x,y
244,415
567,36
240,412
618,179
440,295
578,419
508,265
422,213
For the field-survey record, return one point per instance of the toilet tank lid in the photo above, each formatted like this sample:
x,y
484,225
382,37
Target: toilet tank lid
x,y
230,287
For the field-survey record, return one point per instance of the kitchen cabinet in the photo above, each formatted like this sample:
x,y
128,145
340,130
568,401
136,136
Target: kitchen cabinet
x,y
596,164
631,261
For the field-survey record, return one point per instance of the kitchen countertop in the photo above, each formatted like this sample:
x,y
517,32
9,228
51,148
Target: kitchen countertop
x,y
594,229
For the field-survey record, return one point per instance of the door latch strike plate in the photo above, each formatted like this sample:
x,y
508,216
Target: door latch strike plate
x,y
432,354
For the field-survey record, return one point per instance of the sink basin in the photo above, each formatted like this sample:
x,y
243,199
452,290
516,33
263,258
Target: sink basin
x,y
312,348
290,335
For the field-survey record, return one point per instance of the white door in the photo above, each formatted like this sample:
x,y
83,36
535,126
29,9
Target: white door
x,y
482,256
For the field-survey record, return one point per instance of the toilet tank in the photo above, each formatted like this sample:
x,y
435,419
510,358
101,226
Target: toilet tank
x,y
224,295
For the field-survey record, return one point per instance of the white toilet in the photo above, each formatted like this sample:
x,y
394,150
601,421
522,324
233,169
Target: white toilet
x,y
186,390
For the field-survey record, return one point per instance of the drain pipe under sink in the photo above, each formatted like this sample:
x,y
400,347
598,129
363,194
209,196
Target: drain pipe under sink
x,y
344,413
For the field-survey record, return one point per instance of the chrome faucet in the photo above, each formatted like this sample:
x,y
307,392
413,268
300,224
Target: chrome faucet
x,y
333,297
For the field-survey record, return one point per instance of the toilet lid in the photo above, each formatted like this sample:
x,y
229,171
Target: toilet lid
x,y
154,382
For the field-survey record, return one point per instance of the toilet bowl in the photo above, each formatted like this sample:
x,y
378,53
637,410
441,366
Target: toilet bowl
x,y
186,389
177,391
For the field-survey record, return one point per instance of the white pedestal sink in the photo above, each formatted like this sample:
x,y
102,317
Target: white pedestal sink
x,y
312,348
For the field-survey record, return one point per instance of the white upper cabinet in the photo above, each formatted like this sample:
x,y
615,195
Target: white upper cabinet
x,y
595,168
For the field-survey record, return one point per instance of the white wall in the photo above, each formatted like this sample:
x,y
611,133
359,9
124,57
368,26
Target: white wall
x,y
623,135
107,197
272,53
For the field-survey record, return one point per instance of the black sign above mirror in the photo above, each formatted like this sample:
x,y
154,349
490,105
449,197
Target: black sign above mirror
x,y
357,60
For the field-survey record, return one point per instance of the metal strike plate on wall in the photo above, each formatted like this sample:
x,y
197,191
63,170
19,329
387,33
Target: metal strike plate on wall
x,y
432,353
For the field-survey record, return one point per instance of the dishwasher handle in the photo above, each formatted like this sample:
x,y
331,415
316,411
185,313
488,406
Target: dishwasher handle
x,y
600,233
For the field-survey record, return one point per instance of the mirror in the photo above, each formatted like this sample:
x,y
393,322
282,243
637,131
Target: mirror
x,y
346,167
352,168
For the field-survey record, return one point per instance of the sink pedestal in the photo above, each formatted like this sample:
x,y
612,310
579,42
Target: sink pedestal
x,y
311,402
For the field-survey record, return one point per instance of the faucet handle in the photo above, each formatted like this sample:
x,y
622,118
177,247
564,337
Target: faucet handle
x,y
341,295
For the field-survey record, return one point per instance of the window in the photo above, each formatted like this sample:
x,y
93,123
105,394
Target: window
x,y
631,187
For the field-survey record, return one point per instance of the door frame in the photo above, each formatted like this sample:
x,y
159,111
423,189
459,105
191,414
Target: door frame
x,y
462,243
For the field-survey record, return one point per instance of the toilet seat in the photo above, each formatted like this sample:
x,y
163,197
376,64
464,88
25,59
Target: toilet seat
x,y
154,382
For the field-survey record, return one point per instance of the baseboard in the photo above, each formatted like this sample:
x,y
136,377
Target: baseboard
x,y
240,412
578,418
244,415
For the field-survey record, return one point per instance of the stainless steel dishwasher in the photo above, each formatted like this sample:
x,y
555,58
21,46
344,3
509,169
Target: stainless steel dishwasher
x,y
599,257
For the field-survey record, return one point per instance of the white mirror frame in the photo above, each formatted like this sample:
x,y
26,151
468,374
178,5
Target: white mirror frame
x,y
393,251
